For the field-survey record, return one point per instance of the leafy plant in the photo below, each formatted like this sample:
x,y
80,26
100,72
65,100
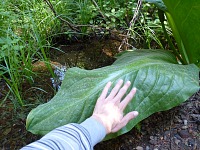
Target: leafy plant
x,y
161,80
182,17
25,26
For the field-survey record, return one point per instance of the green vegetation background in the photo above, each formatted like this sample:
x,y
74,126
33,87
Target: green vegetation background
x,y
27,30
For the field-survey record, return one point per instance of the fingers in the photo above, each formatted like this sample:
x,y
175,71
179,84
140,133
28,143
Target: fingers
x,y
122,91
127,99
105,91
115,89
125,120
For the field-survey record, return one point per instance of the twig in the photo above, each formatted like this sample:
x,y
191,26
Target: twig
x,y
96,5
72,26
131,24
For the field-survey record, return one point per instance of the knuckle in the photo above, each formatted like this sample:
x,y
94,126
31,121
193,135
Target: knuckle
x,y
123,90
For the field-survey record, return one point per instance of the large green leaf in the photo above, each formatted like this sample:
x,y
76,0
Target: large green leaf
x,y
184,18
161,84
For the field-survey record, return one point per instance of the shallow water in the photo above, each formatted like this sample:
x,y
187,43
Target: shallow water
x,y
88,55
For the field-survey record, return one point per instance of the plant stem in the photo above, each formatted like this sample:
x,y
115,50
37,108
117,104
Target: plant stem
x,y
161,17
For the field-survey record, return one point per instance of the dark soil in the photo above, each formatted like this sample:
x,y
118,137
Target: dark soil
x,y
175,129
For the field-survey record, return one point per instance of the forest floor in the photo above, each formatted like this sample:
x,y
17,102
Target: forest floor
x,y
175,129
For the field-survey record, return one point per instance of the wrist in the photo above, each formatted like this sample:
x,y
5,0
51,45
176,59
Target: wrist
x,y
103,122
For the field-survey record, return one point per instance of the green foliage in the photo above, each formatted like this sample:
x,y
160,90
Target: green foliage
x,y
116,14
185,26
184,23
160,83
25,26
27,29
158,3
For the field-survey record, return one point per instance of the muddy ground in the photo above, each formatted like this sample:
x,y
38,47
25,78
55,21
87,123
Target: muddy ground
x,y
175,129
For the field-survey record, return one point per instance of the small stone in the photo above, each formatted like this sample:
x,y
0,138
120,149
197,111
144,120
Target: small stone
x,y
177,136
167,133
191,142
152,142
184,134
190,105
151,137
177,119
190,131
139,148
175,131
185,122
194,133
183,116
147,148
184,127
177,141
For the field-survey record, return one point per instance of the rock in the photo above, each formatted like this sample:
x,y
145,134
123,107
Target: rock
x,y
177,119
184,127
152,142
194,133
190,131
185,122
191,142
177,136
139,148
151,137
147,148
196,117
40,66
189,105
183,116
166,135
184,134
177,141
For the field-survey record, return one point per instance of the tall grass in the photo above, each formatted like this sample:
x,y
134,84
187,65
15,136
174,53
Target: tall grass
x,y
25,26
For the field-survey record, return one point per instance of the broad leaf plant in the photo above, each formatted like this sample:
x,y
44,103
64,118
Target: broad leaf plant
x,y
162,81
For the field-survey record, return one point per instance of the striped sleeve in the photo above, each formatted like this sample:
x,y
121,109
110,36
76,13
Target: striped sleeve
x,y
72,136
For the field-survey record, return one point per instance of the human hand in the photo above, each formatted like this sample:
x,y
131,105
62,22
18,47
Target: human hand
x,y
109,109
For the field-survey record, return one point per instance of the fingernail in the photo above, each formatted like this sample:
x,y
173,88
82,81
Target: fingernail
x,y
129,82
120,80
134,89
135,113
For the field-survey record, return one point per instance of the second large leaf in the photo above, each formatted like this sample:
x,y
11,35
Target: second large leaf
x,y
161,84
